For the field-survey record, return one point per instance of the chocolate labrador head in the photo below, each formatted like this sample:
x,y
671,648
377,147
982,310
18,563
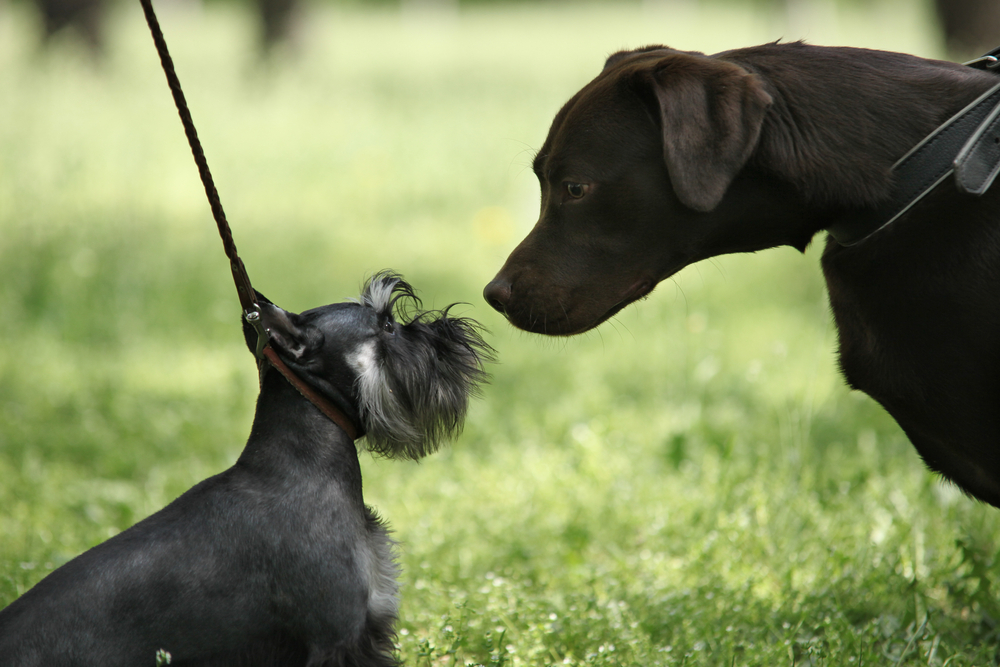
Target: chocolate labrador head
x,y
668,157
645,170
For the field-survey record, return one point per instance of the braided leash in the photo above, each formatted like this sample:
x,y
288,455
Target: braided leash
x,y
248,298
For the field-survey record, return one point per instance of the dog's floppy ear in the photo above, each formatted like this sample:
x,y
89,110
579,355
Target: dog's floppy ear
x,y
711,112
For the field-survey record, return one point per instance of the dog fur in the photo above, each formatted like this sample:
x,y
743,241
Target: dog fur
x,y
276,561
671,157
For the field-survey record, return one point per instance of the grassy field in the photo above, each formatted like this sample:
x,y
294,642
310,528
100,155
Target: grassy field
x,y
689,485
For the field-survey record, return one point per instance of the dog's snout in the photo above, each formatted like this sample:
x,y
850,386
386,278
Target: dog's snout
x,y
497,294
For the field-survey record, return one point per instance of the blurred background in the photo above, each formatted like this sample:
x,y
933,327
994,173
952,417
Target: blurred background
x,y
967,26
689,484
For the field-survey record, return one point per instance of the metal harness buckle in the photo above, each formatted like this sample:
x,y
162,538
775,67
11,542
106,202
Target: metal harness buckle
x,y
986,62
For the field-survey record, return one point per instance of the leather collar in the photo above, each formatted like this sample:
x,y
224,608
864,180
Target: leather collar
x,y
267,355
333,413
967,146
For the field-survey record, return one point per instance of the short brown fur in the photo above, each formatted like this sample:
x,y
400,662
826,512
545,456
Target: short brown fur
x,y
670,157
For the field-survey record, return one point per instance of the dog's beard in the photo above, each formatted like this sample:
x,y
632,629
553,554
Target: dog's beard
x,y
414,389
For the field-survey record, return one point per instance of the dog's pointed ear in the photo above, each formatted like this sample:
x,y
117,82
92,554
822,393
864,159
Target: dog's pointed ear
x,y
285,332
712,112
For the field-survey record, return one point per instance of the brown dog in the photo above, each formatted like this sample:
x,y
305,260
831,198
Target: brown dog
x,y
670,157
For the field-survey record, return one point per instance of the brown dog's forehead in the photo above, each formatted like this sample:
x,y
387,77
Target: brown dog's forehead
x,y
600,116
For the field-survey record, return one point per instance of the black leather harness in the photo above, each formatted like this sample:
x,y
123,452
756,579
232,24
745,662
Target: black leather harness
x,y
967,146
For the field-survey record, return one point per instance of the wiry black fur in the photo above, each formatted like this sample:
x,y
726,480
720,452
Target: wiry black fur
x,y
419,392
276,561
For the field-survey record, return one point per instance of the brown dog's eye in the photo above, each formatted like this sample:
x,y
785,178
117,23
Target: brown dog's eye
x,y
576,190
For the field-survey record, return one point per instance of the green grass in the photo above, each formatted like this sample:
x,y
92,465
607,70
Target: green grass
x,y
691,484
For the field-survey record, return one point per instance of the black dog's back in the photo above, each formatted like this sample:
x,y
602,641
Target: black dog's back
x,y
276,561
156,574
207,573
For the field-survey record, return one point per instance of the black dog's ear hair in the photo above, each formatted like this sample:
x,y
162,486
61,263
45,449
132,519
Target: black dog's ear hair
x,y
711,112
261,298
284,332
388,294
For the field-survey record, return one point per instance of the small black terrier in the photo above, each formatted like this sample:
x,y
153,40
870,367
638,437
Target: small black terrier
x,y
276,561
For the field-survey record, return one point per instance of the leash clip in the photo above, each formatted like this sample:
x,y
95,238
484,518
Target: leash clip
x,y
253,318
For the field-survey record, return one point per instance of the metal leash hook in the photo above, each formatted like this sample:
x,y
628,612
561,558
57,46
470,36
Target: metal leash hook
x,y
984,62
987,61
253,319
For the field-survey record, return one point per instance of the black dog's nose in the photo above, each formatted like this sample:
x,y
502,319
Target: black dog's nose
x,y
497,294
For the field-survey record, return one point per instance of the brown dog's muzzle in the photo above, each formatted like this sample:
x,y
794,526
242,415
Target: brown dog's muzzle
x,y
561,302
535,302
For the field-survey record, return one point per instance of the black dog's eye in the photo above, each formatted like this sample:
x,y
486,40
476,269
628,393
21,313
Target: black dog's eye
x,y
389,326
576,190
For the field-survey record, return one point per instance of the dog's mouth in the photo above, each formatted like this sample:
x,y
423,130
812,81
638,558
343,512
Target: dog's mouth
x,y
563,311
639,290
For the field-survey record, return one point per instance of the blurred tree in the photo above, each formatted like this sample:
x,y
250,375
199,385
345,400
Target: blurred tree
x,y
276,17
86,17
275,21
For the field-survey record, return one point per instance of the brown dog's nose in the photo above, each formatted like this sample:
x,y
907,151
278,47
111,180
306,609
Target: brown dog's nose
x,y
497,294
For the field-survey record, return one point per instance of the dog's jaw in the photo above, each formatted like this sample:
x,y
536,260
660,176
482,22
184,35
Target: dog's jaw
x,y
638,291
560,320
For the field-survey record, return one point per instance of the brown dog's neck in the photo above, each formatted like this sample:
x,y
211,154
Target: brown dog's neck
x,y
841,117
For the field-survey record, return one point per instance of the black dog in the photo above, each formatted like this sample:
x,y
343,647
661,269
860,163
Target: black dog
x,y
276,561
669,157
